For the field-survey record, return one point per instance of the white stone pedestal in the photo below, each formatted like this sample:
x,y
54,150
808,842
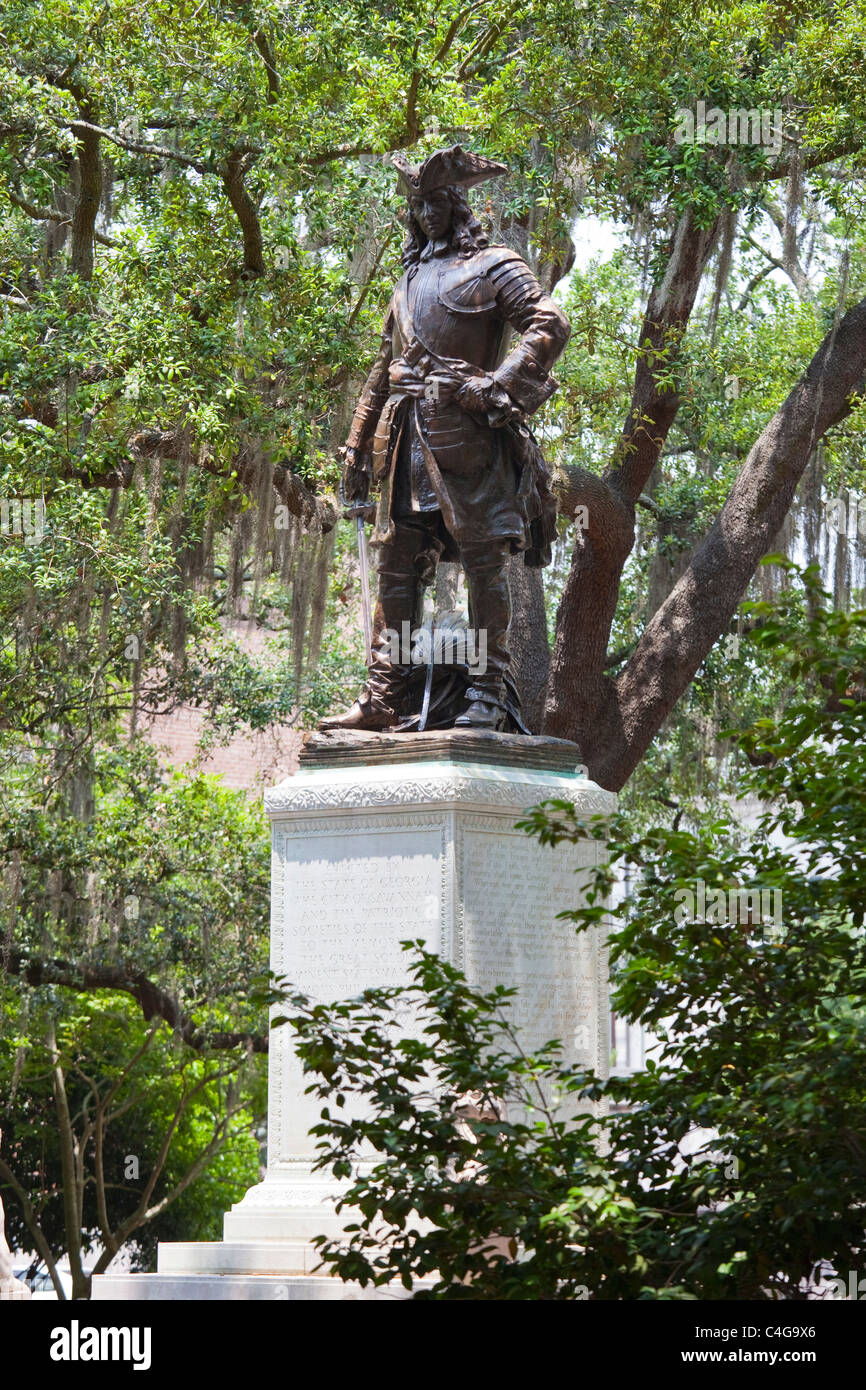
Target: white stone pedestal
x,y
376,840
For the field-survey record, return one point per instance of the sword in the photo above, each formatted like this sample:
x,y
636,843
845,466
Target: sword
x,y
428,683
364,566
357,510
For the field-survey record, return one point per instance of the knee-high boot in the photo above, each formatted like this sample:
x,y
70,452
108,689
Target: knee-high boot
x,y
398,603
490,615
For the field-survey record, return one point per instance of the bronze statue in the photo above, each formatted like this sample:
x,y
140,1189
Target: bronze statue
x,y
441,428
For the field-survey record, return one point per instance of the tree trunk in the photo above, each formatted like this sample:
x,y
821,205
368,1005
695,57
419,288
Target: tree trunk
x,y
578,685
86,204
71,1176
447,583
527,640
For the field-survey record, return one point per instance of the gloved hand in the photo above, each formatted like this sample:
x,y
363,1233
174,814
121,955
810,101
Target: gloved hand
x,y
355,487
475,395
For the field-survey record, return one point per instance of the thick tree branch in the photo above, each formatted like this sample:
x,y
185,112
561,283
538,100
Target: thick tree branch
x,y
701,605
262,43
141,147
314,512
152,1000
412,126
600,511
654,401
485,42
813,159
52,215
454,29
246,212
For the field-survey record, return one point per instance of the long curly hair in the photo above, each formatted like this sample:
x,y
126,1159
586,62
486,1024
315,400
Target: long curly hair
x,y
466,235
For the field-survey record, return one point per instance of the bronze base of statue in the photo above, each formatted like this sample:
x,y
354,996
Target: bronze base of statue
x,y
350,747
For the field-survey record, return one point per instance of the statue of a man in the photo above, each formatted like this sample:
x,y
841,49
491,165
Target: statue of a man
x,y
441,428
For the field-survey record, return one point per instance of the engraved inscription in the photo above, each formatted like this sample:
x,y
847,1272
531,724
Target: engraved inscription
x,y
348,901
512,889
343,900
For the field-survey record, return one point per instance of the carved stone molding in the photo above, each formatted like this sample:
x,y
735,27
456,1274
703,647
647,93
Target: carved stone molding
x,y
300,794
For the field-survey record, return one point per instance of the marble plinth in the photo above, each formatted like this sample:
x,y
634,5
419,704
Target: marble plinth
x,y
377,839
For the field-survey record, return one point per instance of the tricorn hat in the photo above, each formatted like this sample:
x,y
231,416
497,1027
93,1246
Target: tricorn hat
x,y
454,166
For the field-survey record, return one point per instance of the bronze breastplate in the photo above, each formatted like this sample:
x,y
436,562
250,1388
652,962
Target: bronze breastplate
x,y
450,309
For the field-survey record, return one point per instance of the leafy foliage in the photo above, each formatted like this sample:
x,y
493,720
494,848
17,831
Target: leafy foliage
x,y
167,1090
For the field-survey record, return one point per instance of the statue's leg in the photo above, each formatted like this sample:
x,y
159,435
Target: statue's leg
x,y
403,566
489,616
400,568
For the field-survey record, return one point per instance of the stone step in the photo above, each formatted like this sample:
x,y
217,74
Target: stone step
x,y
200,1288
236,1257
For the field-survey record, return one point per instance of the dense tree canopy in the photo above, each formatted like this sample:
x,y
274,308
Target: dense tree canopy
x,y
200,237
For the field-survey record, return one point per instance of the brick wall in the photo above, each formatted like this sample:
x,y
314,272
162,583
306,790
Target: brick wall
x,y
249,761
